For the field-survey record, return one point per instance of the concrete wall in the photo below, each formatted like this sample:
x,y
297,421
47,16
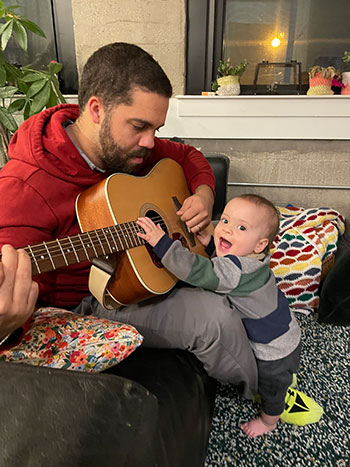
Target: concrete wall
x,y
287,162
158,26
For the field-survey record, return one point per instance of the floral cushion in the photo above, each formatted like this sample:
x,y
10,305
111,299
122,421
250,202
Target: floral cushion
x,y
61,339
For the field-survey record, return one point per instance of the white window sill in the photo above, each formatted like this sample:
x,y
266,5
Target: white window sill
x,y
258,117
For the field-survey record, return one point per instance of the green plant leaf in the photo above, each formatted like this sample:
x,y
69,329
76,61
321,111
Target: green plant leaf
x,y
346,57
40,99
6,34
226,69
17,105
20,34
31,26
56,85
7,91
3,76
7,120
26,111
36,87
13,73
28,68
2,27
32,76
53,99
23,87
55,68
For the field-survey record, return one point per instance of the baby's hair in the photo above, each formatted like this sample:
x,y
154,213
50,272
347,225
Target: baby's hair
x,y
274,217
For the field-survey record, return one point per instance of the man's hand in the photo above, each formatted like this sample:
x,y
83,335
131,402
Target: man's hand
x,y
196,210
18,293
153,233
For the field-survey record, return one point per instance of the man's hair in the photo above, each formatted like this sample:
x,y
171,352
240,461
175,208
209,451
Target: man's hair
x,y
273,220
114,70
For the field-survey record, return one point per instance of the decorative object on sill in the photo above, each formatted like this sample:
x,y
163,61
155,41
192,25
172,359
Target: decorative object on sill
x,y
320,80
346,73
23,89
228,86
227,79
273,86
337,85
346,82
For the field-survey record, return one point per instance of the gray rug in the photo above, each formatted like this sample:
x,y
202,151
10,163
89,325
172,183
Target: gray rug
x,y
324,376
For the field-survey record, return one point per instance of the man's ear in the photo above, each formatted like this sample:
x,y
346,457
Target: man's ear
x,y
95,109
261,245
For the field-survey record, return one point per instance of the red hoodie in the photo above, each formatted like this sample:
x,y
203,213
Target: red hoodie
x,y
39,186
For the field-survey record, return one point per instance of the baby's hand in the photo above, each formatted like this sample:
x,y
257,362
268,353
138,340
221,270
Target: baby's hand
x,y
204,237
153,233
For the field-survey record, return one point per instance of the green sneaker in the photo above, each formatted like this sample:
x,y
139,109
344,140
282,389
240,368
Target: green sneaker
x,y
300,409
294,381
257,399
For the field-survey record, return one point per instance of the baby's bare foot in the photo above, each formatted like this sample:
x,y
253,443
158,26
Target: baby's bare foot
x,y
257,427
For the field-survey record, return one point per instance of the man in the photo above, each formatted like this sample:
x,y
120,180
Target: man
x,y
55,155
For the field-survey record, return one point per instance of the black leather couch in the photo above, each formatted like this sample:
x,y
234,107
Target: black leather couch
x,y
153,409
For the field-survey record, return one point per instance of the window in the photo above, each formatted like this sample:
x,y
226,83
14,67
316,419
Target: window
x,y
55,18
312,32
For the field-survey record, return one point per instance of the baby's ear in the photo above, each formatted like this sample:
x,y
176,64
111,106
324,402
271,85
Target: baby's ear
x,y
261,245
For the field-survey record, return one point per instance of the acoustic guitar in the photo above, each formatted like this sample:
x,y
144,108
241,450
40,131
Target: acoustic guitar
x,y
107,214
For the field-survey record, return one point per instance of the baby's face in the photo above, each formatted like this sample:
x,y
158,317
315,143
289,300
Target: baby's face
x,y
242,229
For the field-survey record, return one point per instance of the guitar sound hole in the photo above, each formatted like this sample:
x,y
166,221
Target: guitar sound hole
x,y
157,219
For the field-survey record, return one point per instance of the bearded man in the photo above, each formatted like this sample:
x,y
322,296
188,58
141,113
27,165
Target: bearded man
x,y
60,152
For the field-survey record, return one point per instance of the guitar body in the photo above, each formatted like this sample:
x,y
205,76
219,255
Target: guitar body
x,y
123,198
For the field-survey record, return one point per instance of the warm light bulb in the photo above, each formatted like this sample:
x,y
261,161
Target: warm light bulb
x,y
275,42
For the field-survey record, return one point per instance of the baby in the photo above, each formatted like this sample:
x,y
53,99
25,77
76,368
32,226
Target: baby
x,y
239,268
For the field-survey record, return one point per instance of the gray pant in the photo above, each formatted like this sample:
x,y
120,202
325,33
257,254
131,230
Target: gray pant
x,y
196,320
275,377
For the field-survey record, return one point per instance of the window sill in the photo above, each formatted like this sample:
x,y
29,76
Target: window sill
x,y
258,117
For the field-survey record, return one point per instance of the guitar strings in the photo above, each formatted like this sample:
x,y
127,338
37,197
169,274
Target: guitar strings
x,y
54,248
115,235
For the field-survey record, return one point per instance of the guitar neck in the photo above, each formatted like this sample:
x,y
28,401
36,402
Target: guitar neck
x,y
86,246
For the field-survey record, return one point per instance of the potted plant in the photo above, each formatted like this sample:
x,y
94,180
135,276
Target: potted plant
x,y
320,80
346,73
227,80
23,89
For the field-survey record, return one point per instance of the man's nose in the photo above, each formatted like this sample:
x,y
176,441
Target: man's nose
x,y
147,140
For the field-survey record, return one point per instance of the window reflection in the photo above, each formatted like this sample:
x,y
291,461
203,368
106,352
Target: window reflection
x,y
313,32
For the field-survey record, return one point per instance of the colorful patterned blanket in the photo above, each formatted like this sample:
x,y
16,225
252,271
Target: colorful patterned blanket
x,y
306,238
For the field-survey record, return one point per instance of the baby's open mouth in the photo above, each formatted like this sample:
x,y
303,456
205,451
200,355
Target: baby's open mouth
x,y
225,244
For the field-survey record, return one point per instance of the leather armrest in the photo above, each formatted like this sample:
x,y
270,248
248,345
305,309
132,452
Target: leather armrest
x,y
220,165
67,418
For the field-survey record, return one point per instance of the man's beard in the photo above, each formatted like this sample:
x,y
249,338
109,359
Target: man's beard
x,y
113,157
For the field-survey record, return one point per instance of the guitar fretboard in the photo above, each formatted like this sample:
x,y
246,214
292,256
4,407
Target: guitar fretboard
x,y
86,246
